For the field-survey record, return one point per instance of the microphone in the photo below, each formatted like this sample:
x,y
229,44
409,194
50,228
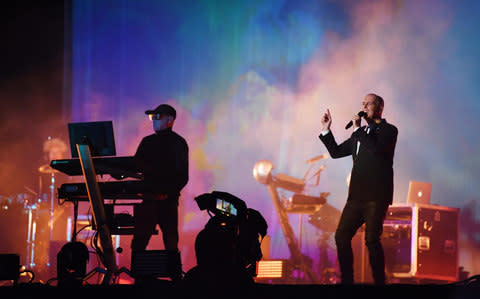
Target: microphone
x,y
361,114
316,158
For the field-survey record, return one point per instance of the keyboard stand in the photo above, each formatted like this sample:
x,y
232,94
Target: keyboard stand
x,y
98,212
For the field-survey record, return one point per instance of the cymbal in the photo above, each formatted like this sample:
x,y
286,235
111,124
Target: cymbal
x,y
47,169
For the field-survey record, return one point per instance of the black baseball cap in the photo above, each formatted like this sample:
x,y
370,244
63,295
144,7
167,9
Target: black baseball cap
x,y
163,109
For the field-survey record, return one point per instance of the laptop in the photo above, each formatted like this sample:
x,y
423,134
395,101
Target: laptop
x,y
419,192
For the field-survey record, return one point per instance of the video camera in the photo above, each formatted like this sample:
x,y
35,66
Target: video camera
x,y
248,225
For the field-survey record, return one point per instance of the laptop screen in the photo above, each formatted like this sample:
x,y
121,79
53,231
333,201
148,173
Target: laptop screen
x,y
419,192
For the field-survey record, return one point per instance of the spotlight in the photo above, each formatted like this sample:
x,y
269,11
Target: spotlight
x,y
262,171
273,269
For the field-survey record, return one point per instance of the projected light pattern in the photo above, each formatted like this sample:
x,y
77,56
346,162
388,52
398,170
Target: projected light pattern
x,y
250,80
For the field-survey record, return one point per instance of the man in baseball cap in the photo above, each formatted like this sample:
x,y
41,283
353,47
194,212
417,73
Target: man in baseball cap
x,y
160,110
163,158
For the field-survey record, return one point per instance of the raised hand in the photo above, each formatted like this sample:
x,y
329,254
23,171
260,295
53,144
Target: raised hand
x,y
326,121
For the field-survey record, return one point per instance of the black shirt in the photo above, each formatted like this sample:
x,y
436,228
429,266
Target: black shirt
x,y
163,158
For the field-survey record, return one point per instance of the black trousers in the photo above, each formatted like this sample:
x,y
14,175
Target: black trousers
x,y
150,213
354,214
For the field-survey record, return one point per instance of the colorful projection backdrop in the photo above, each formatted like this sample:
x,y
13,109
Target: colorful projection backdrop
x,y
251,79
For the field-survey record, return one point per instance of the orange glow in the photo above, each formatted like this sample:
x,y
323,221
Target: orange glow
x,y
125,281
271,269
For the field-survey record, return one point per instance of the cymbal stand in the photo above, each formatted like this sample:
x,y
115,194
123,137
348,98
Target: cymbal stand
x,y
50,220
328,274
32,206
31,230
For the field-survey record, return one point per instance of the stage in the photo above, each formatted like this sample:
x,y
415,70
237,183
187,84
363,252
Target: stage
x,y
249,80
167,290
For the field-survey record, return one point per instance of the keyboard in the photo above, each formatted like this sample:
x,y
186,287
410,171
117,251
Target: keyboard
x,y
119,166
128,189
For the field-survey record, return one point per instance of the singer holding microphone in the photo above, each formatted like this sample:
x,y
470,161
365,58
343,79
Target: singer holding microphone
x,y
370,190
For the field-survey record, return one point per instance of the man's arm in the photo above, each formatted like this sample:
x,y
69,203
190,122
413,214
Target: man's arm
x,y
335,150
181,170
177,177
139,158
326,136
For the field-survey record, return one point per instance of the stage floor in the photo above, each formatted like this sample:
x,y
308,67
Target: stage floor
x,y
168,290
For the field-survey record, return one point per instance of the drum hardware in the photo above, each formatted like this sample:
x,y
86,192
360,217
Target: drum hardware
x,y
301,202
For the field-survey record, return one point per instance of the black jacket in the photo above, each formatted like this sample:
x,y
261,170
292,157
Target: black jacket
x,y
372,173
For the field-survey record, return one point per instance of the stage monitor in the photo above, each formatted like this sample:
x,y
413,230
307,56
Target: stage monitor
x,y
98,135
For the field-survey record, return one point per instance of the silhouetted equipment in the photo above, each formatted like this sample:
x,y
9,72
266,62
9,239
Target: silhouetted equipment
x,y
72,262
156,263
10,267
105,252
89,140
118,223
121,166
118,167
128,189
300,202
248,227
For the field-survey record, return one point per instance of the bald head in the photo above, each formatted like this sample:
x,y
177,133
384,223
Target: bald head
x,y
379,103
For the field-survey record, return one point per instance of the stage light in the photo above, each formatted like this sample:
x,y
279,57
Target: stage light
x,y
272,269
262,171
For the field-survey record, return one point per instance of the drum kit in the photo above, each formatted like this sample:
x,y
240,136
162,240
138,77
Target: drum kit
x,y
323,216
38,207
